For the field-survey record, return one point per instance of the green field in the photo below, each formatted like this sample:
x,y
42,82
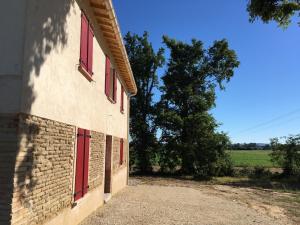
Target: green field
x,y
251,158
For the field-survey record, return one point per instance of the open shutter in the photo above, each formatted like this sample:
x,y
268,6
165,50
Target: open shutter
x,y
115,86
79,165
107,76
122,99
121,151
84,42
90,50
87,137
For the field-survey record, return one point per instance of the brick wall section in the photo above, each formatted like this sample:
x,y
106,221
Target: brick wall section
x,y
44,165
8,151
36,167
96,163
116,154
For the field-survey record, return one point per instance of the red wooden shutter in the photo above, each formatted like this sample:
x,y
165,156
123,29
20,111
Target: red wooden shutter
x,y
87,137
107,76
79,165
90,51
115,86
84,42
121,151
122,99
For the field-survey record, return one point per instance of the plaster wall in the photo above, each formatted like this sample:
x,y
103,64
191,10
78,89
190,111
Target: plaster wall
x,y
52,86
12,17
119,180
70,216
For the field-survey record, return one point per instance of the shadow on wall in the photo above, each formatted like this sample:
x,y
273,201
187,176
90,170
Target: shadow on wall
x,y
45,32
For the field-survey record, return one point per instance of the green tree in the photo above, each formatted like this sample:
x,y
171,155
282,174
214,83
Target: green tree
x,y
144,63
286,153
188,129
280,11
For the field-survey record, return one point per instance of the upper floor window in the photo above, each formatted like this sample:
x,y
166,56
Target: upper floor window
x,y
86,46
110,81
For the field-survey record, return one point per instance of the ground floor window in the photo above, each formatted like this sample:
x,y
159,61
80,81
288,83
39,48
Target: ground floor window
x,y
82,163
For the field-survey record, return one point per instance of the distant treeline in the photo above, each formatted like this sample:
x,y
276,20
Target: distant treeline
x,y
250,146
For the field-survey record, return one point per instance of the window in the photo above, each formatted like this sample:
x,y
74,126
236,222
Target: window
x,y
110,81
121,151
86,47
122,100
82,163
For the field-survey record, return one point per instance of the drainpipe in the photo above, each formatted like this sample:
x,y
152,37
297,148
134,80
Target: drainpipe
x,y
128,123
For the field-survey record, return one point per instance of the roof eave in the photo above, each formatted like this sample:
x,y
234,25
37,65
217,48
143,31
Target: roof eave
x,y
107,21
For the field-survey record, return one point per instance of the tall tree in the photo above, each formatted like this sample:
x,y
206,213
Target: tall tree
x,y
188,129
144,63
280,11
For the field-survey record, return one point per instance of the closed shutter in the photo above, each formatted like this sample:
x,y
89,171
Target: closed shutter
x,y
86,160
121,151
122,99
90,51
79,165
82,163
107,76
115,86
84,42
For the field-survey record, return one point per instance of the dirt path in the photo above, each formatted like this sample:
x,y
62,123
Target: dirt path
x,y
155,203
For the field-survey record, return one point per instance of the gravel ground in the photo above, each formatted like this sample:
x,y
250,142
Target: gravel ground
x,y
142,204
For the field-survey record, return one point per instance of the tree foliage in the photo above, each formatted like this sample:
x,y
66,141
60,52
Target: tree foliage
x,y
249,146
280,11
189,134
287,154
144,63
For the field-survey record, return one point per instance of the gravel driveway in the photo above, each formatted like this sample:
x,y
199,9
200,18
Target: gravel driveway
x,y
143,204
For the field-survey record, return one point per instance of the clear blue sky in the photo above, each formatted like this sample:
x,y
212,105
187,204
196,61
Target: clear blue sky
x,y
263,98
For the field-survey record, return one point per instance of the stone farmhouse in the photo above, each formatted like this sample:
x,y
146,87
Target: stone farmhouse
x,y
65,88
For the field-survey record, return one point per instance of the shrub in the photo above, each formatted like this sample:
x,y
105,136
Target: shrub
x,y
224,166
260,172
287,154
244,172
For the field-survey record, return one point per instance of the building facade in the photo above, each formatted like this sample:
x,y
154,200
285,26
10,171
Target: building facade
x,y
65,87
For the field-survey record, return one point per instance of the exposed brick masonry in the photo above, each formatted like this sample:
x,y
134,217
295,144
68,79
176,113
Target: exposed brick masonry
x,y
116,155
44,165
96,163
36,167
8,151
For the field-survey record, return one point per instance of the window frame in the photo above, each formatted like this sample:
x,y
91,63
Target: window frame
x,y
82,164
111,81
86,44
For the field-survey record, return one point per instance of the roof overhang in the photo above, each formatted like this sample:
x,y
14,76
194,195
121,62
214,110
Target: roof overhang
x,y
107,21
